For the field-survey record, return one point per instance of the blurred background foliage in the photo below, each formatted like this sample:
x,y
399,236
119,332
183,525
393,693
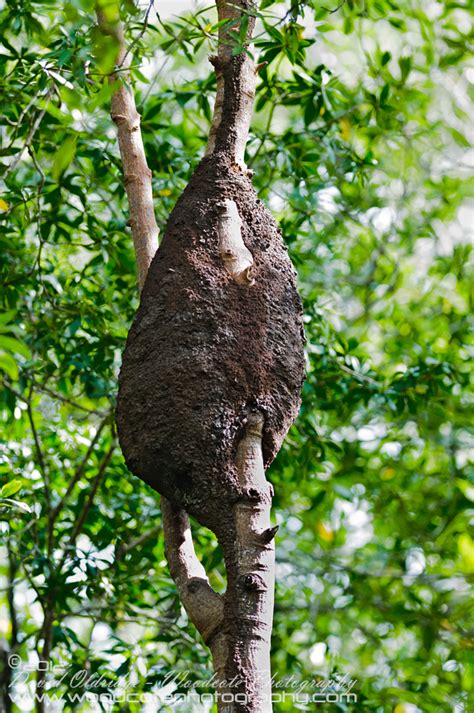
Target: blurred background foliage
x,y
362,148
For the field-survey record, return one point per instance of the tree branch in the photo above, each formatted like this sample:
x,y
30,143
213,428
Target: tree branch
x,y
94,487
204,606
249,553
43,654
236,626
30,136
45,390
123,549
79,471
137,175
236,81
59,397
39,451
151,5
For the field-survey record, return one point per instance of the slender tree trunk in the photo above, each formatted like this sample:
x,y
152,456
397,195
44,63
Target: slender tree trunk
x,y
242,654
6,705
249,553
43,655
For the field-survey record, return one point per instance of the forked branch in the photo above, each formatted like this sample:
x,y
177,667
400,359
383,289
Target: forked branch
x,y
236,626
202,603
204,606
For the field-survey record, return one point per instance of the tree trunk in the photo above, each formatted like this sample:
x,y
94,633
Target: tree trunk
x,y
6,704
211,378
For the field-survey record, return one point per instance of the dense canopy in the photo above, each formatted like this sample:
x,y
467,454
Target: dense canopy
x,y
360,147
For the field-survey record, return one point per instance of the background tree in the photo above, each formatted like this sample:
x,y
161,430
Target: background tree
x,y
360,146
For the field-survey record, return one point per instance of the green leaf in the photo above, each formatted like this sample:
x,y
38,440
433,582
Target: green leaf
x,y
14,345
64,156
405,66
10,488
9,365
8,502
7,317
384,94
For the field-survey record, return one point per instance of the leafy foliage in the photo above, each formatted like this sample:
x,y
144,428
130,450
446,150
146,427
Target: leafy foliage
x,y
360,146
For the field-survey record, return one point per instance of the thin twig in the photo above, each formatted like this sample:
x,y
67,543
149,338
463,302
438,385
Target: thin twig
x,y
39,451
139,36
358,375
23,113
94,487
79,471
31,134
70,402
139,540
39,169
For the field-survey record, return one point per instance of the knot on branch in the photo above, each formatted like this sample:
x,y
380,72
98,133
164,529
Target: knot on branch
x,y
216,63
136,177
252,582
254,494
119,118
195,584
